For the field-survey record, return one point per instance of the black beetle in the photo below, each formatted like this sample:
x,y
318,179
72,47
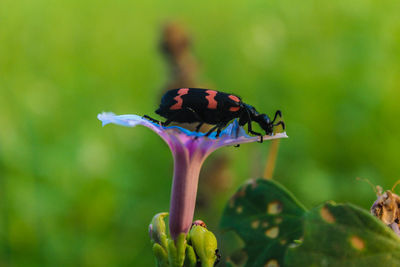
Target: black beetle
x,y
188,105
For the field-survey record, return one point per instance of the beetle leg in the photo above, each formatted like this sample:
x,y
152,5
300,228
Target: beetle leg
x,y
151,119
220,126
197,117
260,135
199,126
167,122
201,122
217,127
211,130
218,132
250,130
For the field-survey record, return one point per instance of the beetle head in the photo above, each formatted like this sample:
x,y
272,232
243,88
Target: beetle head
x,y
250,114
265,123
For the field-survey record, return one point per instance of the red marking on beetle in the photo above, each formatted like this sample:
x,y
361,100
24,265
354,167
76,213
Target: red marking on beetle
x,y
212,104
234,98
178,98
237,100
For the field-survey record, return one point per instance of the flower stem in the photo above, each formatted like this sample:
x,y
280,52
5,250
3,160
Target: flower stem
x,y
271,159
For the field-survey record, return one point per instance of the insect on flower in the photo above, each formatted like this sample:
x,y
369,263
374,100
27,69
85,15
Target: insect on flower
x,y
189,154
190,105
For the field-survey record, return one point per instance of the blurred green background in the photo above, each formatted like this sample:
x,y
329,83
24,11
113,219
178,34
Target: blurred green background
x,y
75,194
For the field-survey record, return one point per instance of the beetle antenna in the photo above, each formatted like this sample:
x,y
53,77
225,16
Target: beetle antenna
x,y
396,184
367,181
278,112
280,123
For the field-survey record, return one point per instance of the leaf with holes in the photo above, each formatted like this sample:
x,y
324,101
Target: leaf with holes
x,y
267,218
344,235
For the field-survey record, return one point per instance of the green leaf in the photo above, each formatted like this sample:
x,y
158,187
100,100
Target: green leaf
x,y
344,235
267,218
334,234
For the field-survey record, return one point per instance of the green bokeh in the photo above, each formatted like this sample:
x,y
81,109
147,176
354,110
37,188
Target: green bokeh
x,y
75,194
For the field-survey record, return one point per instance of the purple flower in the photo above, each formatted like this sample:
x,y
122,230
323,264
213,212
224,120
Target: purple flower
x,y
189,150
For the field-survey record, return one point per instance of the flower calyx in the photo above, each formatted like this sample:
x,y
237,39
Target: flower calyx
x,y
197,248
204,244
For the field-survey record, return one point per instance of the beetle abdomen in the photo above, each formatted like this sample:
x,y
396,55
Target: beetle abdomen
x,y
199,105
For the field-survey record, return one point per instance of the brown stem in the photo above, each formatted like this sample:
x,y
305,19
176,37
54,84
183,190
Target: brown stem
x,y
271,159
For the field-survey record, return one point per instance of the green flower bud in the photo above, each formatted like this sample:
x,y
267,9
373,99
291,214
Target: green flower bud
x,y
157,230
204,244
